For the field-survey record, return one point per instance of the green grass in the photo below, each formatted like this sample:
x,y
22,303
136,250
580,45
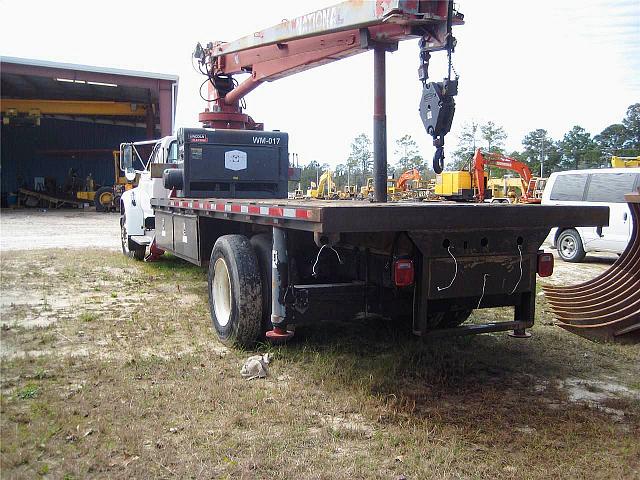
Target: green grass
x,y
27,392
148,392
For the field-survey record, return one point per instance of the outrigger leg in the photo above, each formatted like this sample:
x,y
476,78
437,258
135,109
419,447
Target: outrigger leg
x,y
279,284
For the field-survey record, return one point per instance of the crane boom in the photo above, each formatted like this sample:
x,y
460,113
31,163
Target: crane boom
x,y
310,40
328,35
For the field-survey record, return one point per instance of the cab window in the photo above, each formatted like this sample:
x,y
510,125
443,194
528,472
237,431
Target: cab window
x,y
173,153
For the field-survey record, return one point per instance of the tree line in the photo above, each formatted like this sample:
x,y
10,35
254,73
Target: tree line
x,y
576,150
359,164
544,155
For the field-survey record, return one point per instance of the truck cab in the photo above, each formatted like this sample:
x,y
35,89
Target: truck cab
x,y
137,219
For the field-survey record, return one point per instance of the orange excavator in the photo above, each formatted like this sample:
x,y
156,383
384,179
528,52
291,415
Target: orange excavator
x,y
402,184
529,183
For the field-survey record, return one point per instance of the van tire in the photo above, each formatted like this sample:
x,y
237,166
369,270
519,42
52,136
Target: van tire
x,y
570,246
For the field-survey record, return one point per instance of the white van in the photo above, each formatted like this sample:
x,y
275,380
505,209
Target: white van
x,y
605,187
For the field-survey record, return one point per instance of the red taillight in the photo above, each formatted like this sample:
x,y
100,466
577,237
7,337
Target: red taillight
x,y
403,273
545,264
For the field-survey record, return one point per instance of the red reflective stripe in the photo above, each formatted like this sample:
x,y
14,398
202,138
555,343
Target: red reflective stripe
x,y
184,204
207,205
300,213
254,209
275,211
235,208
196,204
220,207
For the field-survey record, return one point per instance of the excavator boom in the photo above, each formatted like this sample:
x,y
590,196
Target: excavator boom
x,y
481,159
402,182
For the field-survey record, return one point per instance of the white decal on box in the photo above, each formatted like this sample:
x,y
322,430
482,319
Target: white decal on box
x,y
235,160
274,258
266,140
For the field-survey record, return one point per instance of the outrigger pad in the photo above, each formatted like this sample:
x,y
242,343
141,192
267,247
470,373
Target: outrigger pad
x,y
279,335
607,307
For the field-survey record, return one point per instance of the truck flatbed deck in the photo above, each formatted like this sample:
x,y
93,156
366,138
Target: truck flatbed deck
x,y
335,216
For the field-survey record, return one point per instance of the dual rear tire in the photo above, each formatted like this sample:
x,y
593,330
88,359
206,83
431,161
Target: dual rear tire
x,y
239,281
235,291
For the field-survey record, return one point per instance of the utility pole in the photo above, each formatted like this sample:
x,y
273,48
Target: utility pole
x,y
542,159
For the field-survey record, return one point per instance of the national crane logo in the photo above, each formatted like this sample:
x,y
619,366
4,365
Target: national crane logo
x,y
326,19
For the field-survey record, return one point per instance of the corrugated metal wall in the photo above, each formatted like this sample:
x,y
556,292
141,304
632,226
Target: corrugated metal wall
x,y
23,154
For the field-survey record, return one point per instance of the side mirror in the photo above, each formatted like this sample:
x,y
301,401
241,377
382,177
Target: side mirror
x,y
126,162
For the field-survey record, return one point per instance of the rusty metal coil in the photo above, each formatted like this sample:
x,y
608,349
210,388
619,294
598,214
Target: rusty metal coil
x,y
607,307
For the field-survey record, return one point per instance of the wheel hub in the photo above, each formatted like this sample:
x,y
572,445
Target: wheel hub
x,y
568,246
221,292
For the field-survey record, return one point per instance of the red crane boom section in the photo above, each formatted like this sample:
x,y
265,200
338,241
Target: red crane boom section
x,y
311,40
501,161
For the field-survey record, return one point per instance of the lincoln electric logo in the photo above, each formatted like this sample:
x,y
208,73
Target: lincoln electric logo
x,y
198,137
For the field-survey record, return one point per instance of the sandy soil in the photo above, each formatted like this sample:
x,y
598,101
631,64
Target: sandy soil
x,y
565,273
35,229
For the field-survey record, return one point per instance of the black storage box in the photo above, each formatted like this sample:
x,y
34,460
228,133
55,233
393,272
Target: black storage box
x,y
230,164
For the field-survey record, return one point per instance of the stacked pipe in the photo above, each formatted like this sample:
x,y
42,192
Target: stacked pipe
x,y
607,307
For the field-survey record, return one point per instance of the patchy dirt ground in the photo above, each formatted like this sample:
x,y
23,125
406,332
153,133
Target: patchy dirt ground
x,y
565,273
33,229
110,369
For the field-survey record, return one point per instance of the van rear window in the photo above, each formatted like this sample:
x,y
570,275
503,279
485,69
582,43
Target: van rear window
x,y
611,187
569,187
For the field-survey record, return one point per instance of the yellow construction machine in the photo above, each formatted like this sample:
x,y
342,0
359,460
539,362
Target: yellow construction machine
x,y
348,192
368,190
506,187
106,198
325,189
625,162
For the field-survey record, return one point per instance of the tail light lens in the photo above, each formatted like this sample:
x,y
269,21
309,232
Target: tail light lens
x,y
545,264
403,272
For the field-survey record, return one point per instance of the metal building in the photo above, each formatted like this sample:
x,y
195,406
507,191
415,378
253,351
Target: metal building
x,y
61,120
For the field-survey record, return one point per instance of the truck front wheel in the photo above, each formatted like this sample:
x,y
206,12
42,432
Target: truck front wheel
x,y
235,291
129,248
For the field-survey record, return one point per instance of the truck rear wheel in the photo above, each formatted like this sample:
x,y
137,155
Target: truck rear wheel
x,y
262,243
235,291
454,318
